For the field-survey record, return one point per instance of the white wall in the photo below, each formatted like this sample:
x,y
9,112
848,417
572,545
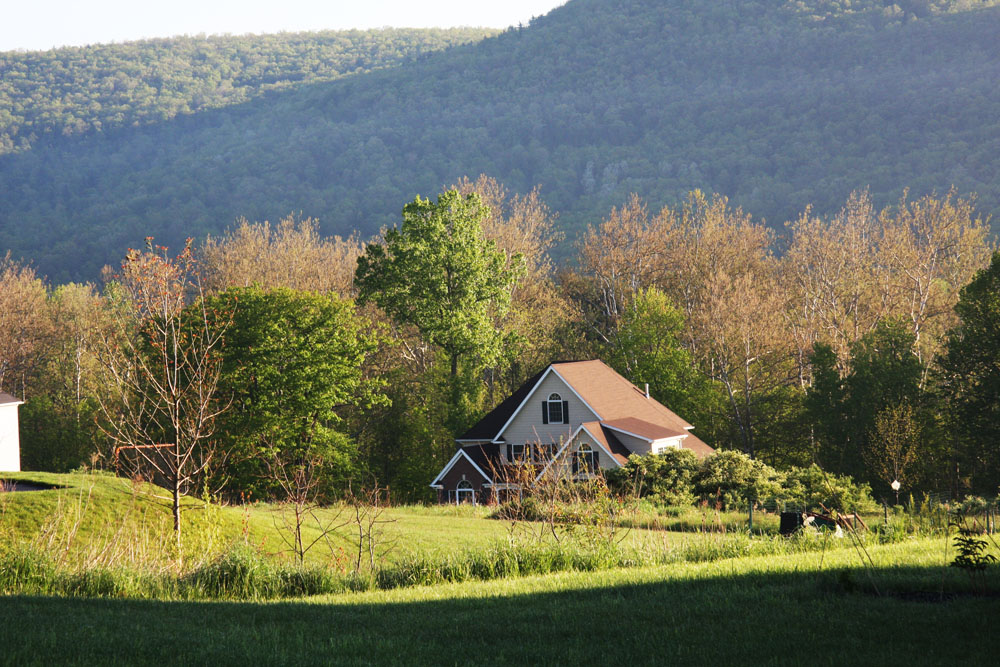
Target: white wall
x,y
10,449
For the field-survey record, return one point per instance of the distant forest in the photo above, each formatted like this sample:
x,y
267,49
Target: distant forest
x,y
779,105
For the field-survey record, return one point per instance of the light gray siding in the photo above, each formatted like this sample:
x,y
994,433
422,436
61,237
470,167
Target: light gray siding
x,y
527,426
584,438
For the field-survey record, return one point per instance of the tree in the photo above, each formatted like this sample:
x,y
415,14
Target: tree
x,y
292,254
25,323
894,444
824,408
646,348
971,377
59,431
437,273
293,363
539,312
160,364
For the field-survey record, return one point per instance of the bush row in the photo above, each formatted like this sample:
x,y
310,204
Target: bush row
x,y
732,480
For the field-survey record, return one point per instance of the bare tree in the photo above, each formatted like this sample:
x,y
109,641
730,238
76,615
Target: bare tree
x,y
290,254
25,323
368,506
300,479
160,363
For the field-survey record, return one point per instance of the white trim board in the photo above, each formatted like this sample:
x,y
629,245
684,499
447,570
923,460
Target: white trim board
x,y
448,466
569,442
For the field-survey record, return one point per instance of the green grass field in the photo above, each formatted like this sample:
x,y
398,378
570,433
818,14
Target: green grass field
x,y
112,520
820,606
787,610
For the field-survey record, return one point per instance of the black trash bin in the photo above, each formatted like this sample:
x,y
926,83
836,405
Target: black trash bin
x,y
790,522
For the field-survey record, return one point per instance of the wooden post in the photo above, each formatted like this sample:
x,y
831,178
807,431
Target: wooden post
x,y
885,512
751,517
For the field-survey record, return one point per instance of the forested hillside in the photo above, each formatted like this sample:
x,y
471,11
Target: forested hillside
x,y
776,104
75,90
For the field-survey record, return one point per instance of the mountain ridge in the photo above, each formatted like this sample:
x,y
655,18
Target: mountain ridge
x,y
776,104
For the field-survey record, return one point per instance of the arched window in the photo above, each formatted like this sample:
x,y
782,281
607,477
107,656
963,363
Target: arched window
x,y
555,410
464,493
585,460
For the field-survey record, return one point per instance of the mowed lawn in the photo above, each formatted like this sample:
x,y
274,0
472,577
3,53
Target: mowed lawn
x,y
798,609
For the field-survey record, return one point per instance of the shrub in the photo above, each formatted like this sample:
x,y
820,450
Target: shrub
x,y
665,478
733,479
813,489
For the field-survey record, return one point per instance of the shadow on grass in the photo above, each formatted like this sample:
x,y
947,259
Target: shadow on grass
x,y
15,485
788,618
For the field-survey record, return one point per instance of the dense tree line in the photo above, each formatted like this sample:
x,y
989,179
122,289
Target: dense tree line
x,y
867,346
76,90
777,104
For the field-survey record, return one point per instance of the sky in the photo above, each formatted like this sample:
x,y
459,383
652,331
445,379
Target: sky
x,y
44,24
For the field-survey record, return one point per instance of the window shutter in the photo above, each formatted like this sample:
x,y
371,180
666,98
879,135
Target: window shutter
x,y
510,452
545,412
565,412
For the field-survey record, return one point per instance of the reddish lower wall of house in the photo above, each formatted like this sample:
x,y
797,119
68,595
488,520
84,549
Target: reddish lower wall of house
x,y
463,469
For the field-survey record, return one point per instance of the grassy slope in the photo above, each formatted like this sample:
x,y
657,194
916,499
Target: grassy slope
x,y
109,510
786,610
91,514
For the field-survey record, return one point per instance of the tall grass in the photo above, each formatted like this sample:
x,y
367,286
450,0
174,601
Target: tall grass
x,y
243,572
104,540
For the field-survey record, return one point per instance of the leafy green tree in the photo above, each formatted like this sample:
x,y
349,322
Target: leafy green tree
x,y
292,365
824,408
646,347
971,378
437,273
813,488
885,371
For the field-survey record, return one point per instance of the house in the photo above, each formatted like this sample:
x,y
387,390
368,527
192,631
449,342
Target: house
x,y
10,442
581,415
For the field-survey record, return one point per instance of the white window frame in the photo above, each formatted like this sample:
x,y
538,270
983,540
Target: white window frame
x,y
593,456
558,400
464,488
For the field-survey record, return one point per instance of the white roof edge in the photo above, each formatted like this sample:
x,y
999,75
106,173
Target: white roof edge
x,y
448,466
579,428
517,410
551,369
634,435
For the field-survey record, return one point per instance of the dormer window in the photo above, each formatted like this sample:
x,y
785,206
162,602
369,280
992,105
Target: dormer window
x,y
555,410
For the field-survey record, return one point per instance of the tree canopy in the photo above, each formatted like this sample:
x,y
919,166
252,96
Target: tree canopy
x,y
438,273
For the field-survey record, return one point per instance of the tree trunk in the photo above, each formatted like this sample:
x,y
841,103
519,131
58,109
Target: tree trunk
x,y
177,513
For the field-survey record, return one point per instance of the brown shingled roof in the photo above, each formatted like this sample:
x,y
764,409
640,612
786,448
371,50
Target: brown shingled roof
x,y
6,398
613,397
643,429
